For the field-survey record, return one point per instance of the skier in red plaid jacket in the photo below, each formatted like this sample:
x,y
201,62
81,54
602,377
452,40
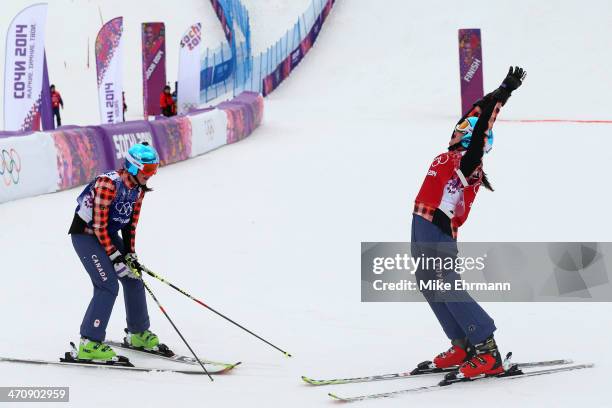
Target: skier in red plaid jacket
x,y
441,207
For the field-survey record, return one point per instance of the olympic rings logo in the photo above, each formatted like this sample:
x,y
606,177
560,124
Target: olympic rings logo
x,y
10,166
441,159
124,207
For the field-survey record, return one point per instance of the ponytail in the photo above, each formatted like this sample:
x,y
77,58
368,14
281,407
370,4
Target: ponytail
x,y
486,183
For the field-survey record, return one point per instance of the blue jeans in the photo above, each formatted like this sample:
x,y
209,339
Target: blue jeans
x,y
459,315
106,287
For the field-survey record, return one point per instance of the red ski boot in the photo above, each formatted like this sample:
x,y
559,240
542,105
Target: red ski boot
x,y
448,361
487,361
460,352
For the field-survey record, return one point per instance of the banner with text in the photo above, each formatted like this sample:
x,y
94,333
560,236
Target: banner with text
x,y
108,67
33,163
189,69
470,67
23,68
118,138
153,66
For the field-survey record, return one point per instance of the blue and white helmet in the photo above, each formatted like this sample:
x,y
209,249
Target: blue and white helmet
x,y
466,127
142,157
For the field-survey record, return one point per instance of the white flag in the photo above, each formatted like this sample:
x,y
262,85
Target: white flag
x,y
109,59
23,69
189,69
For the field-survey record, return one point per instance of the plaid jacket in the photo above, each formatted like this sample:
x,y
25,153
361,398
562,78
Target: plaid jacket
x,y
110,203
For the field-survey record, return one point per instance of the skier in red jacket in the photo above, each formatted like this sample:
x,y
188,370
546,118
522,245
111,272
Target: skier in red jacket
x,y
56,102
441,207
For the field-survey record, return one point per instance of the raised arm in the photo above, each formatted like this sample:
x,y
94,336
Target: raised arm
x,y
487,110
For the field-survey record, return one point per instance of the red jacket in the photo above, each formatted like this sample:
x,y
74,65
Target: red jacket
x,y
166,101
56,99
443,177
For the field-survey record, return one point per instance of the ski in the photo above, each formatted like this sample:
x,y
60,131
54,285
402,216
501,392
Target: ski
x,y
167,354
68,363
421,373
513,373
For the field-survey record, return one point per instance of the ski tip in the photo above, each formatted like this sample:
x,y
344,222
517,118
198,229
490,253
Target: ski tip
x,y
309,380
335,397
320,382
287,354
232,366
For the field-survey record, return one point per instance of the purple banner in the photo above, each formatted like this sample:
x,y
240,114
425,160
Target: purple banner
x,y
283,70
200,110
172,139
46,111
296,57
470,67
244,114
153,66
119,137
81,155
14,133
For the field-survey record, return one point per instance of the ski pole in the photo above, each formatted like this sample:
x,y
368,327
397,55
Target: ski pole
x,y
175,328
156,276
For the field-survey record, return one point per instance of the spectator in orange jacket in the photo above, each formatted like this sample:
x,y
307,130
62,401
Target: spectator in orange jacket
x,y
56,102
166,103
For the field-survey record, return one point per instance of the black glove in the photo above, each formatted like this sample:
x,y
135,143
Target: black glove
x,y
513,80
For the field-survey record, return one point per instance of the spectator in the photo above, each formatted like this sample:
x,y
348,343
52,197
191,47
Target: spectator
x,y
56,102
124,105
166,103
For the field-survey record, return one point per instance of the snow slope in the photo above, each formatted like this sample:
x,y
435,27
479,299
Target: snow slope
x,y
268,230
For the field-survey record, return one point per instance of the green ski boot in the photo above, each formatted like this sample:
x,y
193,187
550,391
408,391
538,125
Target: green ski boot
x,y
95,350
146,340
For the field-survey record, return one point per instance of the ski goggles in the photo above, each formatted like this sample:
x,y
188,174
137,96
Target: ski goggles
x,y
464,127
149,169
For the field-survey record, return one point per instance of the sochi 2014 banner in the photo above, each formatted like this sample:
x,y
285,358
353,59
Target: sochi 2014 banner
x,y
470,67
189,69
23,68
153,66
108,65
